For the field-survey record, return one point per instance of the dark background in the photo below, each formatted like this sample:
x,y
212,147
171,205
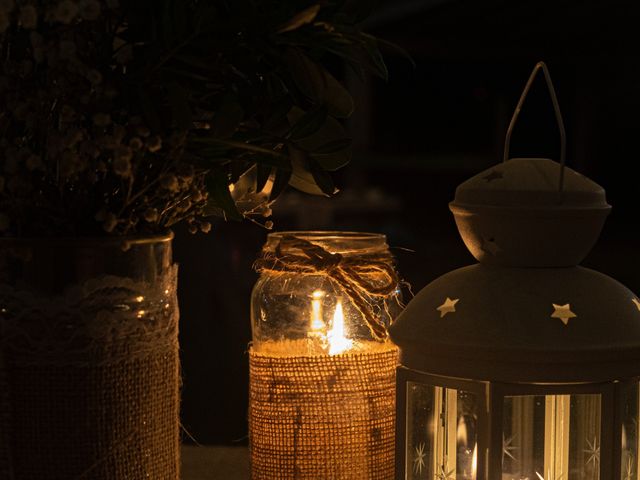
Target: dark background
x,y
418,136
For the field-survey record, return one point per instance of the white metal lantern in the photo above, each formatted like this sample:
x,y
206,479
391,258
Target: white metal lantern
x,y
524,366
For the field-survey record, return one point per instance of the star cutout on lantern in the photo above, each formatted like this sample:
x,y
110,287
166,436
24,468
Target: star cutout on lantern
x,y
490,246
508,448
493,175
443,473
449,306
593,452
418,461
563,312
549,476
636,302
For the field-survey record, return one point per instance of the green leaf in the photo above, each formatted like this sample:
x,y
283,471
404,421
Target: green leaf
x,y
333,146
306,16
280,162
217,182
238,168
397,49
337,98
359,10
307,176
306,74
318,84
309,123
276,119
280,182
352,57
333,155
227,118
324,145
262,176
175,23
180,109
334,161
150,110
324,181
371,47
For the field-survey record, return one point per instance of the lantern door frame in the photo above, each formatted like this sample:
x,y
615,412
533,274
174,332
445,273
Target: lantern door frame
x,y
491,396
480,389
610,424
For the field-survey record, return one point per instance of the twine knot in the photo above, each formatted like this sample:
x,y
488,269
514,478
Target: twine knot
x,y
360,277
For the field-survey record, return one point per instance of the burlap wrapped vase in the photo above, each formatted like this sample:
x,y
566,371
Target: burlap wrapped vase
x,y
89,373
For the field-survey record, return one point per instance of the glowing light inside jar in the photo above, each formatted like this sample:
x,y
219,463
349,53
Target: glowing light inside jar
x,y
317,324
338,342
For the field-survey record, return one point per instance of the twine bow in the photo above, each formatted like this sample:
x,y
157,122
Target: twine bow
x,y
360,277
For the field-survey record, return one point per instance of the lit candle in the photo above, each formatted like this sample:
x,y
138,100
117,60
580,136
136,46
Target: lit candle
x,y
474,462
337,340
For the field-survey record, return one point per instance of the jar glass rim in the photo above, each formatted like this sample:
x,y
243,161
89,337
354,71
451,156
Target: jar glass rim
x,y
347,242
97,241
329,235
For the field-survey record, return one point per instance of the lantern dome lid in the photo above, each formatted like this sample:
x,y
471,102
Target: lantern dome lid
x,y
522,325
531,182
530,212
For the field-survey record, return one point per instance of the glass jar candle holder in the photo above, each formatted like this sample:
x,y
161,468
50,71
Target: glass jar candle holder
x,y
321,364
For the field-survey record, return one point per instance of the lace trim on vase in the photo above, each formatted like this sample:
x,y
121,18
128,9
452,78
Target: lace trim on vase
x,y
106,320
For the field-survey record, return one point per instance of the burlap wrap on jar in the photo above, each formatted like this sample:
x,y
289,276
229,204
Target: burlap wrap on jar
x,y
323,417
89,375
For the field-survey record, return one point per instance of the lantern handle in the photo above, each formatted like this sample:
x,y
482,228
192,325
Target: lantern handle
x,y
556,107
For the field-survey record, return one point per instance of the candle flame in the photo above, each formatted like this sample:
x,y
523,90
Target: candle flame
x,y
317,324
462,434
474,462
338,343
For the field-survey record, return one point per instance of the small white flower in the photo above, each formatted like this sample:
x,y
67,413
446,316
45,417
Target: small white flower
x,y
170,182
122,161
154,143
68,49
66,11
4,22
151,215
90,9
94,76
110,222
101,119
6,6
4,222
28,17
34,162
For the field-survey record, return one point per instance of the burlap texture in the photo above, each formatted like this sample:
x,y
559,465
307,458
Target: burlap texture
x,y
323,417
99,399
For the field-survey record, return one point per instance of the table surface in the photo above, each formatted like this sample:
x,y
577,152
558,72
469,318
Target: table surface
x,y
215,463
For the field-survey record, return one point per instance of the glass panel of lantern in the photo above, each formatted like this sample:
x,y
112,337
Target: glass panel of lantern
x,y
442,430
557,436
630,432
550,432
